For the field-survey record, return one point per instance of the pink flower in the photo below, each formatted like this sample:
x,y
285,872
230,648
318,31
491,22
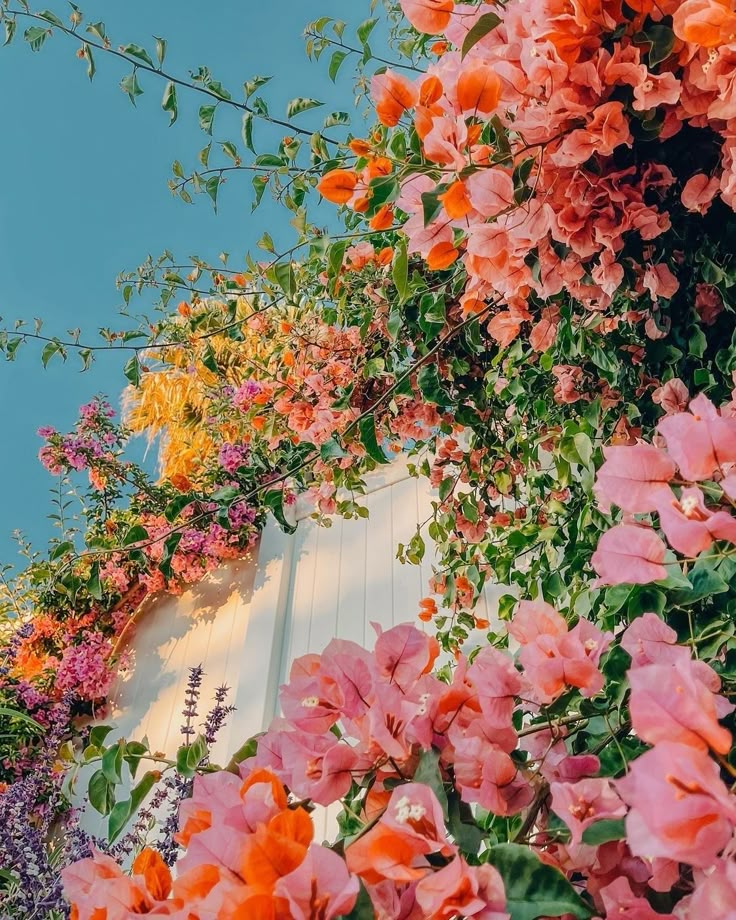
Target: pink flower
x,y
459,889
583,803
699,191
649,640
672,396
491,191
656,89
708,303
620,901
670,702
689,526
553,658
699,441
320,887
629,554
680,808
660,282
404,653
715,893
633,478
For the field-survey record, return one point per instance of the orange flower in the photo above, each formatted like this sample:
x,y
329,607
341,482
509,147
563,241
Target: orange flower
x,y
276,849
480,623
441,256
430,91
382,854
287,359
184,309
360,147
338,185
385,256
155,873
428,16
379,166
427,609
382,219
439,48
456,201
361,205
708,23
478,89
393,95
258,422
285,327
240,280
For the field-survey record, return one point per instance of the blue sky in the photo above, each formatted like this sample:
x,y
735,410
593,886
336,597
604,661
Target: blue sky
x,y
84,194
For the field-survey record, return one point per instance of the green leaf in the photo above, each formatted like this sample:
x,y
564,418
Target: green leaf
x,y
169,104
429,384
705,581
431,205
136,534
301,104
176,506
36,36
604,831
130,85
132,370
273,499
101,793
428,772
583,447
662,41
400,270
335,62
533,889
160,50
197,752
139,53
247,131
51,17
50,349
367,433
122,812
112,762
170,545
284,274
485,24
98,734
331,450
365,29
207,117
10,27
94,585
119,816
61,549
8,712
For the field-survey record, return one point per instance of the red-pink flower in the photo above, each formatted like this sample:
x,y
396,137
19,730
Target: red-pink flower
x,y
632,478
620,901
680,808
629,554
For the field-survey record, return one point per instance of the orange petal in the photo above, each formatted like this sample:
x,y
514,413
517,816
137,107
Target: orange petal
x,y
338,185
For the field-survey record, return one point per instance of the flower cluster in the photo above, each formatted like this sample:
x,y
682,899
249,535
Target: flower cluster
x,y
547,133
695,451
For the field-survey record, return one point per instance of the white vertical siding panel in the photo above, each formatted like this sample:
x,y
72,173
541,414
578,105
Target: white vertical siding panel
x,y
326,594
406,577
351,606
379,564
